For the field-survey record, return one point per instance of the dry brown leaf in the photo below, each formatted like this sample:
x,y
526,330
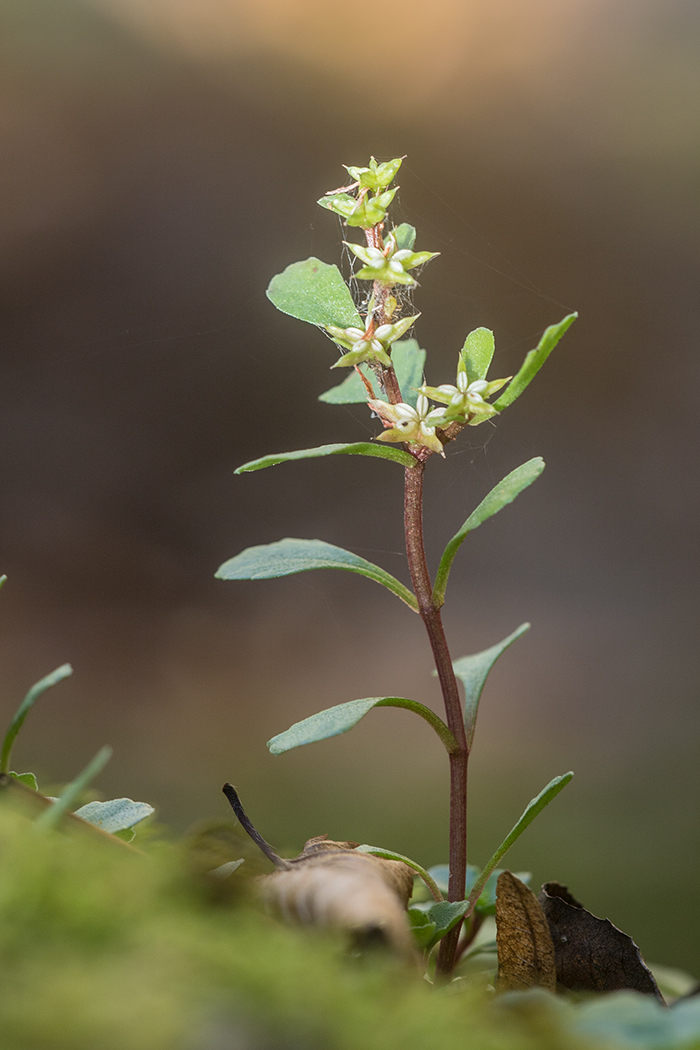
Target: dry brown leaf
x,y
592,954
525,949
329,884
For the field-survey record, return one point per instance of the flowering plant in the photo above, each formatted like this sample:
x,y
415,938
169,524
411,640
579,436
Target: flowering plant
x,y
387,374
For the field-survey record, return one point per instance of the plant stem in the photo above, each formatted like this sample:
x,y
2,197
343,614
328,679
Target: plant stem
x,y
415,551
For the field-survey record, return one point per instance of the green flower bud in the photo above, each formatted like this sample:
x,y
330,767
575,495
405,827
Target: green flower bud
x,y
376,176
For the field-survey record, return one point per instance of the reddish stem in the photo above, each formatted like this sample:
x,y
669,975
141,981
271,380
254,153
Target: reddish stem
x,y
415,550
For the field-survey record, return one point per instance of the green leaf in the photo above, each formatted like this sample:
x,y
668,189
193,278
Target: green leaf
x,y
388,854
422,927
288,556
26,778
532,810
341,718
359,448
534,361
25,707
636,1022
444,917
64,803
315,292
3,580
405,235
473,672
117,815
498,498
409,362
477,353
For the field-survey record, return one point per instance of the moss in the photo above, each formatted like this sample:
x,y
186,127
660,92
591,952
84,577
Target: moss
x,y
106,949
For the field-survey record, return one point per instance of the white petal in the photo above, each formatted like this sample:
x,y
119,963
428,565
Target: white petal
x,y
477,387
383,331
422,405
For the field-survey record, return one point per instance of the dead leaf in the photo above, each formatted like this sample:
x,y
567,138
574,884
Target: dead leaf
x,y
525,949
591,954
329,884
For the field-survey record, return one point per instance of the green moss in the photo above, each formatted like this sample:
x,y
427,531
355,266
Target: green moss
x,y
103,948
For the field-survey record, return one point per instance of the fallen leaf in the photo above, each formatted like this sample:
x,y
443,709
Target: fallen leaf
x,y
525,949
329,884
591,954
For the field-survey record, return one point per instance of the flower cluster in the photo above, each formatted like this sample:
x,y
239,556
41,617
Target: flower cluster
x,y
371,345
369,208
466,401
389,265
416,425
387,261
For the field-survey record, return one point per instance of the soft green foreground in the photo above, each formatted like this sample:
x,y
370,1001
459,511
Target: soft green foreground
x,y
105,949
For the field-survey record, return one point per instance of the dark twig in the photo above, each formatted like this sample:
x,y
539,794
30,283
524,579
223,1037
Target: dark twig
x,y
232,795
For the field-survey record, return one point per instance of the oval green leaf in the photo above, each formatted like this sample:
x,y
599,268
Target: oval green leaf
x,y
116,815
405,235
534,361
358,448
341,718
477,353
315,292
473,672
289,556
498,498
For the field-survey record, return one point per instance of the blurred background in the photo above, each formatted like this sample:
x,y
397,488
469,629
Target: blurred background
x,y
160,162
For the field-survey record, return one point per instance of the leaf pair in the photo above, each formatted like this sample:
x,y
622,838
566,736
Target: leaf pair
x,y
290,556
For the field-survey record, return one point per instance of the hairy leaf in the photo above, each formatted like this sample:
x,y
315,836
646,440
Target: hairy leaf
x,y
359,448
289,556
477,353
525,949
534,361
498,498
473,672
408,360
341,718
591,954
316,292
25,707
117,815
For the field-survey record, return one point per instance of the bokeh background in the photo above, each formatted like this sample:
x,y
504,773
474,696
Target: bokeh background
x,y
160,162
